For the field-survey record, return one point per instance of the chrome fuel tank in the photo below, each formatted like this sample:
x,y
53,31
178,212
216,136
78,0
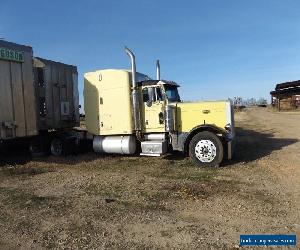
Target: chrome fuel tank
x,y
114,144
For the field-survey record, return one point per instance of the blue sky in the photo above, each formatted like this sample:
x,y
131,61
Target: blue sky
x,y
214,48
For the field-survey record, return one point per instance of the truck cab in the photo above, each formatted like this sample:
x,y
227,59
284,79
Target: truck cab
x,y
127,113
211,122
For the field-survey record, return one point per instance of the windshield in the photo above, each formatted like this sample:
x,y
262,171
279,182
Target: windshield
x,y
172,93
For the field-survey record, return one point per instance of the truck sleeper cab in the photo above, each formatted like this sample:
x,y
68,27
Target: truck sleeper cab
x,y
128,112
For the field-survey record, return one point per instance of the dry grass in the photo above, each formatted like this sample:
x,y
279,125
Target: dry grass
x,y
94,201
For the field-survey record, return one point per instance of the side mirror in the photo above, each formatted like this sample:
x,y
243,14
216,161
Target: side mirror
x,y
149,103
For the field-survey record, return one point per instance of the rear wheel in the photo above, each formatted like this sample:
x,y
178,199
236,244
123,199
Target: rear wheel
x,y
57,147
35,150
206,149
38,147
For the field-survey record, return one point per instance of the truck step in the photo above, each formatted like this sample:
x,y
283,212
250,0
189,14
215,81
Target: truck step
x,y
154,148
149,154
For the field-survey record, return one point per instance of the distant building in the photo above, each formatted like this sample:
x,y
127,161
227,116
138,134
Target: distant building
x,y
286,96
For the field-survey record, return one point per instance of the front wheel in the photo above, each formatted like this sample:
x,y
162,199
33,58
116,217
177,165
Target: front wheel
x,y
206,149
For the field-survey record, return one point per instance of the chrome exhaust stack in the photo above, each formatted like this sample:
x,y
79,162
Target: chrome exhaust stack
x,y
157,70
135,95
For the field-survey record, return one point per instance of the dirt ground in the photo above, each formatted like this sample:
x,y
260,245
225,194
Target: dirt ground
x,y
114,202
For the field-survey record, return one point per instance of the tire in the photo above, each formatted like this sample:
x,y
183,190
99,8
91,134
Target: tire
x,y
35,153
57,147
206,149
37,148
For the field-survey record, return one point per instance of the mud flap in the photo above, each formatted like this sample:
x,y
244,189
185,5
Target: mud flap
x,y
230,149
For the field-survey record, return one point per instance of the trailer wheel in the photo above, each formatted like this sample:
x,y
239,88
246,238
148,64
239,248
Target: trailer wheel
x,y
206,149
57,147
36,153
36,148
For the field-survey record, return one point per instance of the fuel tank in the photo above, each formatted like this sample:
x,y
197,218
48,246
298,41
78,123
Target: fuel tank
x,y
114,144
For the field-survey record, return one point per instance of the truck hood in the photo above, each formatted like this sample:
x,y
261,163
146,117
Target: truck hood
x,y
192,114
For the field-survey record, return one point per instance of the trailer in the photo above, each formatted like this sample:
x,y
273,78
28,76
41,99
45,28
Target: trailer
x,y
17,94
39,100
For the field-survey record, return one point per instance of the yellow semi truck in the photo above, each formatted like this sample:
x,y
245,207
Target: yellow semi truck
x,y
128,113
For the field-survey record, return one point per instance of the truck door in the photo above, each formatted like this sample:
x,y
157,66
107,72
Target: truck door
x,y
153,107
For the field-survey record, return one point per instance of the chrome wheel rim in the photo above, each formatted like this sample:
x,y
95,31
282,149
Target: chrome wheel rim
x,y
205,151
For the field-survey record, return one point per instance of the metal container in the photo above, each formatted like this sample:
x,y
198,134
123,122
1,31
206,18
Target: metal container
x,y
18,117
114,144
57,97
170,118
